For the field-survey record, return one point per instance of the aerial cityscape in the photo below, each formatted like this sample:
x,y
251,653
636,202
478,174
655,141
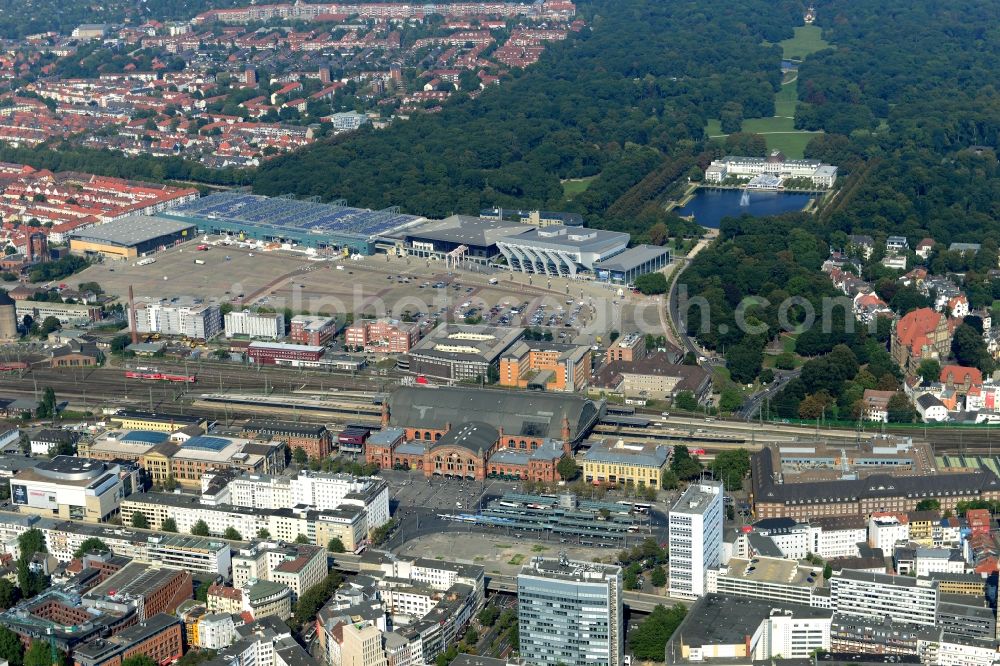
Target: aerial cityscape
x,y
499,333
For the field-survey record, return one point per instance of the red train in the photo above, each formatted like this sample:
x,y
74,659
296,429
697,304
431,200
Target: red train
x,y
159,376
13,366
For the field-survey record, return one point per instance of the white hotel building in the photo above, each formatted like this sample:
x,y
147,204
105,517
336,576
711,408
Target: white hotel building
x,y
695,538
263,325
776,164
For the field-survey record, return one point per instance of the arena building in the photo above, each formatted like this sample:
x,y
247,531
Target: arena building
x,y
624,268
560,250
131,237
471,238
332,226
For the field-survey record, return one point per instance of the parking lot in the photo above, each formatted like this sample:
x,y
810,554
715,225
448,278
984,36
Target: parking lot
x,y
498,554
412,490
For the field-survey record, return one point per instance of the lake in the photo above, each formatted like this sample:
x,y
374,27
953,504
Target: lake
x,y
709,206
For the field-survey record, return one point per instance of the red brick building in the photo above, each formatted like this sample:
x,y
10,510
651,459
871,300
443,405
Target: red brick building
x,y
472,450
281,353
315,331
389,336
315,440
159,638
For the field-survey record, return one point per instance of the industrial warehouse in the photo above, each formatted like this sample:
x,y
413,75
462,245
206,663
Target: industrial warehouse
x,y
130,237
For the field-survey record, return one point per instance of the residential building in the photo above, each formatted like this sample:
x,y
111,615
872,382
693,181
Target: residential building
x,y
347,523
641,465
49,439
182,551
268,325
875,405
570,613
919,335
258,598
321,491
296,566
695,538
873,595
885,530
931,409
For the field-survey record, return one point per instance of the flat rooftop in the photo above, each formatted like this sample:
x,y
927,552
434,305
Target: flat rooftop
x,y
465,230
632,258
724,620
570,570
131,230
697,497
775,570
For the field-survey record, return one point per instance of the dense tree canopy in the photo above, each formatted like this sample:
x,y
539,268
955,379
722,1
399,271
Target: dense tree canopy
x,y
625,99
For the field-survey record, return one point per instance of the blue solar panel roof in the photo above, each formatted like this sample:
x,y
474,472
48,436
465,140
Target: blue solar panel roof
x,y
145,437
206,442
291,214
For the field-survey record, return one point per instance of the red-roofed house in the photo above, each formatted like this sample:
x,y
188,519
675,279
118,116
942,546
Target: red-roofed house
x,y
979,521
961,378
924,248
919,335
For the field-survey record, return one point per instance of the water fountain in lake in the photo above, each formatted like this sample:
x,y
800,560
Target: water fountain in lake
x,y
745,198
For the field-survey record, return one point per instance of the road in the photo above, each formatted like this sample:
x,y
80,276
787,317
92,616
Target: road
x,y
681,338
752,406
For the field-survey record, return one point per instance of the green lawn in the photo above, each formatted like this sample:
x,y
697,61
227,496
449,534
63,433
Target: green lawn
x,y
780,131
573,187
787,99
808,39
767,125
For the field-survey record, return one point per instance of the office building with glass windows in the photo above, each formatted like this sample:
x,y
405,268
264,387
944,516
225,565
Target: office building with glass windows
x,y
570,613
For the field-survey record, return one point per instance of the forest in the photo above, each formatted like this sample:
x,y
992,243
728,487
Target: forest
x,y
625,99
912,118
